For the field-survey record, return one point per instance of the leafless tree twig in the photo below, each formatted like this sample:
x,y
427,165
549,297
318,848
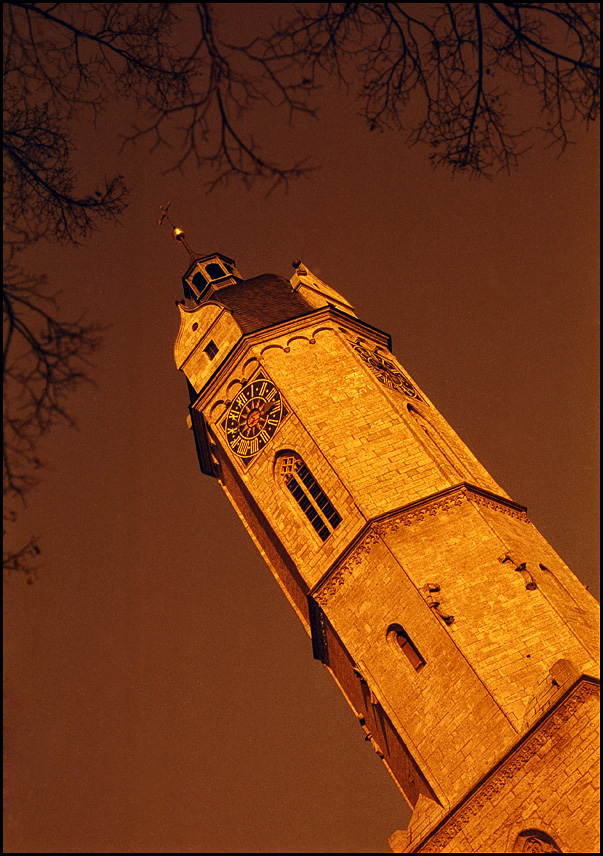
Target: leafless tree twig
x,y
450,74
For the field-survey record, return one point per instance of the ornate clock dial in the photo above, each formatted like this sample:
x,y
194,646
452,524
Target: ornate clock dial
x,y
386,371
253,417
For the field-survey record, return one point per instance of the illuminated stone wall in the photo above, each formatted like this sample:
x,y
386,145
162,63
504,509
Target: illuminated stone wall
x,y
466,648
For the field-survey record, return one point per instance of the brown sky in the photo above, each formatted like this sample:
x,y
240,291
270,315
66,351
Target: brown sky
x,y
161,694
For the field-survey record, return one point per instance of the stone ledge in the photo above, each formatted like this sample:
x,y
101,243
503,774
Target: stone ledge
x,y
407,515
542,732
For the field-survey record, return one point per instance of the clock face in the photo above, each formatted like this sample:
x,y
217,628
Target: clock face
x,y
386,371
253,417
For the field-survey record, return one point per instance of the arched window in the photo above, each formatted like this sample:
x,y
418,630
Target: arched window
x,y
215,271
535,841
398,637
308,494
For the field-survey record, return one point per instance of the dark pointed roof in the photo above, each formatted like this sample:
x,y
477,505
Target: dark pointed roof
x,y
262,301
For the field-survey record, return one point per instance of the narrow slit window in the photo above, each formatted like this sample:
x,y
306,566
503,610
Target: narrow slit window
x,y
401,640
211,349
309,495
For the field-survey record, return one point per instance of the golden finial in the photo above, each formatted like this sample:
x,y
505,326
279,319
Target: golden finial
x,y
177,232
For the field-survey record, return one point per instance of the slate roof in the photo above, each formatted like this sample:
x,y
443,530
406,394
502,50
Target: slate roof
x,y
262,301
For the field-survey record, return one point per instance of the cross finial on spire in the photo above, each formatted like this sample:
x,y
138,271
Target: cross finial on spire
x,y
176,230
164,213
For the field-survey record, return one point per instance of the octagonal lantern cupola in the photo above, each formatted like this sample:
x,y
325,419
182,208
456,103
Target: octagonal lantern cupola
x,y
207,274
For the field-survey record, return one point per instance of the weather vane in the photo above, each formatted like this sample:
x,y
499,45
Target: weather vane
x,y
177,232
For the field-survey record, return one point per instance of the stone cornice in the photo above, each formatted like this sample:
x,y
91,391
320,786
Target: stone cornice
x,y
408,515
282,328
502,774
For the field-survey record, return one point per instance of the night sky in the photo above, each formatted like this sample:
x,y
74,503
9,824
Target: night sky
x,y
161,694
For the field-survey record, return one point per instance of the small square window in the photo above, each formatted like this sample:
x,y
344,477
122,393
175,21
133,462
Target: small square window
x,y
211,349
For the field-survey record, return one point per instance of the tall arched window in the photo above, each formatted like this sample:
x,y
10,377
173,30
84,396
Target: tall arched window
x,y
308,494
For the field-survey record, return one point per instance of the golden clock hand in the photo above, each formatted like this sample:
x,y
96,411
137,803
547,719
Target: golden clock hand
x,y
266,408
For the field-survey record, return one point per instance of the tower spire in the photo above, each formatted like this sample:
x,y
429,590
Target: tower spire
x,y
177,232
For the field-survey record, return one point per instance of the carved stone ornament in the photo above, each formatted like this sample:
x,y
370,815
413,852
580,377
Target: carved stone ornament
x,y
521,568
546,732
532,844
393,521
431,593
387,371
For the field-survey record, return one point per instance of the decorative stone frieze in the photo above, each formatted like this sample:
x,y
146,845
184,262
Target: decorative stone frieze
x,y
379,527
504,774
339,576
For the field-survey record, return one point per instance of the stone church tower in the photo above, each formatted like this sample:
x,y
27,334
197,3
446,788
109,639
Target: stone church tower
x,y
464,645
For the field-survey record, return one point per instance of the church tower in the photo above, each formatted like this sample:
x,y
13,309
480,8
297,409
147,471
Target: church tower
x,y
464,645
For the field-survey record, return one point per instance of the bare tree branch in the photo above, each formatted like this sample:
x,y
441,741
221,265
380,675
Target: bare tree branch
x,y
60,60
449,73
206,123
44,360
451,76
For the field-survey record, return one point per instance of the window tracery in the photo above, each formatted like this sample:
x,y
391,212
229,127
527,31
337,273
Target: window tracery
x,y
308,494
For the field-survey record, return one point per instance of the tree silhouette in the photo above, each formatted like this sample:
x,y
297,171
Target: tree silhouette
x,y
454,76
63,62
450,75
44,360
